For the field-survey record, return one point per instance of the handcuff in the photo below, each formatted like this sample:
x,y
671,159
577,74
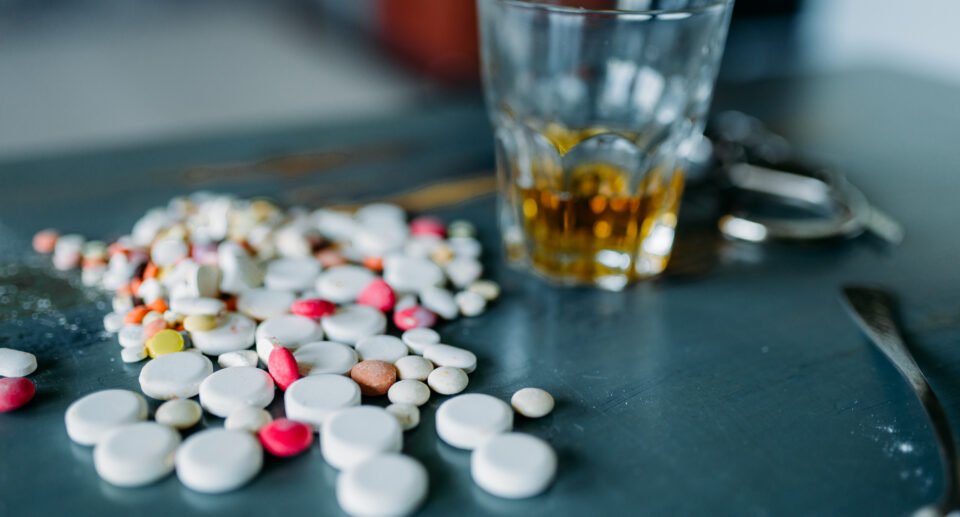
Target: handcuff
x,y
753,161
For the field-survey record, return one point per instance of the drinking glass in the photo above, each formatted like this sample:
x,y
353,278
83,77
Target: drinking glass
x,y
595,105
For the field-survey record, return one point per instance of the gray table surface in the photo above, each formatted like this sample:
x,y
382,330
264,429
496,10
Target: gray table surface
x,y
733,385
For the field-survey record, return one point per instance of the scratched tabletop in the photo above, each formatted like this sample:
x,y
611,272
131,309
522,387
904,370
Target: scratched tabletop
x,y
735,384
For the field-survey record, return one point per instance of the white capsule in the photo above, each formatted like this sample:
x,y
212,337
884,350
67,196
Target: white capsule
x,y
189,306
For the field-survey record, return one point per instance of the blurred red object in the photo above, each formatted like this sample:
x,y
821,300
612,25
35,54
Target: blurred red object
x,y
438,38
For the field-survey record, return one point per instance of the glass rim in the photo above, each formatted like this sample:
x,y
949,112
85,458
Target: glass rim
x,y
565,9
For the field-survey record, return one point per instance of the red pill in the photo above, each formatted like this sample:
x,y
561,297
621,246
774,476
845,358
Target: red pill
x,y
313,308
15,392
379,295
45,240
285,438
414,317
282,367
428,226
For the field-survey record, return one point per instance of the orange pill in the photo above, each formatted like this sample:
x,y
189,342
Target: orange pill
x,y
159,305
136,314
374,377
373,264
45,240
150,271
135,285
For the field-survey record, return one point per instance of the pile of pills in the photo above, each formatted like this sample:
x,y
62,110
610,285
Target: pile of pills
x,y
236,302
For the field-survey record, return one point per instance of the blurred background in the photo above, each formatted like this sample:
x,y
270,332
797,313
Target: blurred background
x,y
83,74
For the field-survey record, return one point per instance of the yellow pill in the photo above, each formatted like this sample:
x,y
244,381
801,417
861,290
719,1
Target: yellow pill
x,y
164,342
199,323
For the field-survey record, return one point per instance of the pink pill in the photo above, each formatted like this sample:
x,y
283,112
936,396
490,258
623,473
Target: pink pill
x,y
285,438
282,367
45,240
379,295
313,308
428,226
414,317
15,392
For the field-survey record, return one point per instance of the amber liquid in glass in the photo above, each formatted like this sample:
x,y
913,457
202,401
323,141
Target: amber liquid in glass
x,y
597,223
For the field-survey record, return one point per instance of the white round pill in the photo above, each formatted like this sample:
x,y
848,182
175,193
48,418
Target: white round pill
x,y
179,413
513,465
314,398
447,380
289,331
90,418
389,485
150,290
133,354
352,435
407,274
439,301
463,271
238,358
233,332
343,284
466,421
136,454
381,214
409,392
113,322
261,303
292,274
413,367
218,460
175,376
322,357
381,348
407,415
532,402
190,306
418,339
378,240
167,252
130,336
446,355
247,418
228,389
15,363
354,322
465,247
488,289
471,304
405,301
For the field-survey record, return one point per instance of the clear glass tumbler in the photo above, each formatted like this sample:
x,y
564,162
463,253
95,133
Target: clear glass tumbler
x,y
595,104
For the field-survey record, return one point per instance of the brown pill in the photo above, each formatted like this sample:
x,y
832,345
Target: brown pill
x,y
374,377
